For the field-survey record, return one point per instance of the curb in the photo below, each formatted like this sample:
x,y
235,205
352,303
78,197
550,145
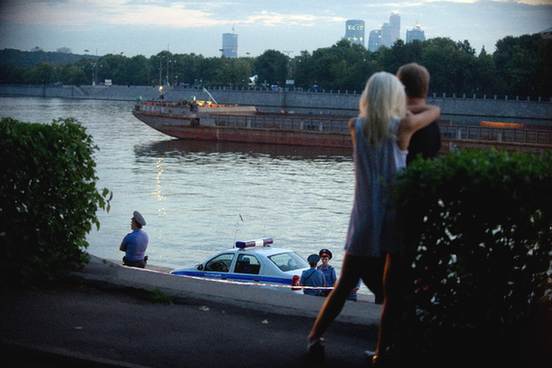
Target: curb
x,y
25,355
108,274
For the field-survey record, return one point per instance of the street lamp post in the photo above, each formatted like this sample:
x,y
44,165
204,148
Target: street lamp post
x,y
160,72
94,73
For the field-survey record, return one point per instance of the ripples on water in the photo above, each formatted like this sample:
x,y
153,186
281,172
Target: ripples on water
x,y
193,193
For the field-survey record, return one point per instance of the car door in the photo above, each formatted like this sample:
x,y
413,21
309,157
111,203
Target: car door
x,y
219,266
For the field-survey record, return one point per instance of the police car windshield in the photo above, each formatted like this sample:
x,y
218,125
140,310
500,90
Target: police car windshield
x,y
288,261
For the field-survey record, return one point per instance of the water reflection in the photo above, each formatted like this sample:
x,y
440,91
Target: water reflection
x,y
160,168
182,147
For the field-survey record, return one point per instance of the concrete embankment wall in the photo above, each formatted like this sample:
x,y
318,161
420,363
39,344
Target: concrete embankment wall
x,y
456,109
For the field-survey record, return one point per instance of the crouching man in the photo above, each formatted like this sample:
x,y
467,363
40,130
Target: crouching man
x,y
135,243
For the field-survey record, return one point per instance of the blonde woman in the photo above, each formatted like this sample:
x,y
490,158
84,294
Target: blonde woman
x,y
381,134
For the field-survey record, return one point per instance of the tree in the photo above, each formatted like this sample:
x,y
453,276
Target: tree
x,y
450,64
72,74
521,62
342,66
485,81
271,67
41,74
138,70
302,71
235,71
114,67
187,67
391,59
64,50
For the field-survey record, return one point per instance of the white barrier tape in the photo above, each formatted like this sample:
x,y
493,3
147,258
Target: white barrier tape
x,y
298,287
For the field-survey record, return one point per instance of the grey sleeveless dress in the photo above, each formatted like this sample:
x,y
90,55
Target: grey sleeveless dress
x,y
373,229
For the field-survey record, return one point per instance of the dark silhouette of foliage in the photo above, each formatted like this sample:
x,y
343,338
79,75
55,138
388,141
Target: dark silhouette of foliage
x,y
479,243
48,199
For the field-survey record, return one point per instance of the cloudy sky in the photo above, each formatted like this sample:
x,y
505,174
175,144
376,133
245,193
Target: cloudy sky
x,y
149,26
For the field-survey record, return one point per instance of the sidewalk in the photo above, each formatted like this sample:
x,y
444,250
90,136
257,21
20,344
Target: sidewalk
x,y
108,317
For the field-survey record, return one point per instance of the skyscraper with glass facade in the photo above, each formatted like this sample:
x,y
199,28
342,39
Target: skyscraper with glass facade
x,y
354,31
229,45
416,33
374,41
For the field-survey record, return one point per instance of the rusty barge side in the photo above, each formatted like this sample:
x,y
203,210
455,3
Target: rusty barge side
x,y
269,128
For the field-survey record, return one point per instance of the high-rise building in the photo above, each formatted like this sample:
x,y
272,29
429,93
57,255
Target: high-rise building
x,y
391,31
386,35
416,33
354,31
395,23
374,41
229,45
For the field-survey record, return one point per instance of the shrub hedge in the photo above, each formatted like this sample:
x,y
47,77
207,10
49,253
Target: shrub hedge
x,y
478,228
48,199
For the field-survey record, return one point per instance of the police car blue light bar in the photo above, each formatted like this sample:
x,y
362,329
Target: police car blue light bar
x,y
264,242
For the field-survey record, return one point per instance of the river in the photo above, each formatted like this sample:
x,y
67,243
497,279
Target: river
x,y
199,198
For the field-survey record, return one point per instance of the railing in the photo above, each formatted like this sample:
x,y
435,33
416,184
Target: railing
x,y
452,132
502,135
285,122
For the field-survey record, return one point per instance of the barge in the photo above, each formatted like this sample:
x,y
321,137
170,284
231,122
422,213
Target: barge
x,y
209,121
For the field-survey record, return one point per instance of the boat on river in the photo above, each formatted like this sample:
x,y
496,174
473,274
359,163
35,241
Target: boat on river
x,y
211,121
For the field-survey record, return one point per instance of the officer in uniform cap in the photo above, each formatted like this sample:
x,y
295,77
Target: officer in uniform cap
x,y
135,243
137,216
313,277
325,252
313,258
326,269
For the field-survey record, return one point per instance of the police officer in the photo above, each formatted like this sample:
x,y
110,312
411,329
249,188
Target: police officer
x,y
135,243
326,269
313,277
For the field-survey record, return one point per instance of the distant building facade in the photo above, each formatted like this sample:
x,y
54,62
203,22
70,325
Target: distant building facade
x,y
395,25
229,45
386,38
388,34
415,34
355,32
374,41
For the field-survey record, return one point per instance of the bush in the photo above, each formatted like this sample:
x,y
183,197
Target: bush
x,y
48,199
479,242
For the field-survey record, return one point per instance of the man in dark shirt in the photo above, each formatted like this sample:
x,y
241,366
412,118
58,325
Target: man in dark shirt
x,y
425,142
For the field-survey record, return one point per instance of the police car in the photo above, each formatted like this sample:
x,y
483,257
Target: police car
x,y
254,261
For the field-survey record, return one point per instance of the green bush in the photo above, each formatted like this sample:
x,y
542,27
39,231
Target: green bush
x,y
48,199
478,228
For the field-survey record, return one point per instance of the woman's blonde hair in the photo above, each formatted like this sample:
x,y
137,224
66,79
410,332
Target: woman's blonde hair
x,y
383,98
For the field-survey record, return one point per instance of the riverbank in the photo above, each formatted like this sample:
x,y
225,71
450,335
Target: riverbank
x,y
108,315
454,108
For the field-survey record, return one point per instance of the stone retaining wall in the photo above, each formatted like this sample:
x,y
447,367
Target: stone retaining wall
x,y
456,109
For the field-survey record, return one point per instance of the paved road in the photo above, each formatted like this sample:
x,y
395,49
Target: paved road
x,y
79,324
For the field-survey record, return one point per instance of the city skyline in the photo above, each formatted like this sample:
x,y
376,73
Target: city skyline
x,y
135,27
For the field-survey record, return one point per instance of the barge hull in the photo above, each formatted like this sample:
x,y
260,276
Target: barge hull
x,y
185,129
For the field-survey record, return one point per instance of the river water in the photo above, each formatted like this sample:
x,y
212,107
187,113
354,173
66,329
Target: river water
x,y
199,198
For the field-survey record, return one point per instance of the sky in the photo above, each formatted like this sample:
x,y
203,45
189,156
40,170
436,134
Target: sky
x,y
146,27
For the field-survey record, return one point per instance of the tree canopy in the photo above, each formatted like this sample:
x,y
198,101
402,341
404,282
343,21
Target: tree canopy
x,y
519,66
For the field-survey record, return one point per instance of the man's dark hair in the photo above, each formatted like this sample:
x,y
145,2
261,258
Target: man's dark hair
x,y
415,79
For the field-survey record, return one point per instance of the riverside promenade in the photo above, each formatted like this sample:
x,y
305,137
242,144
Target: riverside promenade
x,y
108,315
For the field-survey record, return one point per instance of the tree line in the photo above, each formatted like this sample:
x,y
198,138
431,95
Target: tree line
x,y
519,66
